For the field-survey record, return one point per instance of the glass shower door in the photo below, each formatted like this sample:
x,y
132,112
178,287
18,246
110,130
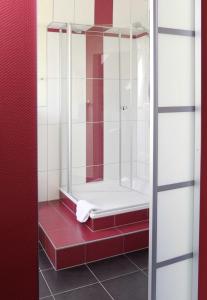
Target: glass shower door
x,y
134,111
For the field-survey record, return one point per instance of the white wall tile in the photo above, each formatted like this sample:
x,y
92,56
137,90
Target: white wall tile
x,y
64,101
175,223
176,14
126,140
42,64
42,148
125,174
79,100
121,13
111,142
53,185
176,148
84,12
42,186
78,175
139,12
125,99
176,70
53,101
78,56
63,183
42,51
41,92
125,58
111,58
64,10
174,282
79,145
64,155
42,115
111,100
142,70
111,172
53,147
53,55
44,11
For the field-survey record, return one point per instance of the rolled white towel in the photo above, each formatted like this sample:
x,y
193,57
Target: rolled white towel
x,y
83,210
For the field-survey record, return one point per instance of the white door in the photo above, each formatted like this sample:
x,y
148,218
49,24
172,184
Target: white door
x,y
175,149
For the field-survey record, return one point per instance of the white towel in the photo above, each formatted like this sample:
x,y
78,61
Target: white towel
x,y
83,210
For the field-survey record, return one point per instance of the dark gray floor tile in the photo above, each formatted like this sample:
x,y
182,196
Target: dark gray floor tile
x,y
129,287
44,262
145,271
140,258
43,289
112,267
47,298
60,281
87,293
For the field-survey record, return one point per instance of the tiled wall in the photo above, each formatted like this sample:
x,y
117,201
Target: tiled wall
x,y
48,126
48,99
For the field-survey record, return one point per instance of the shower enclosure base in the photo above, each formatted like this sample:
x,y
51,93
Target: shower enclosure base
x,y
112,213
68,243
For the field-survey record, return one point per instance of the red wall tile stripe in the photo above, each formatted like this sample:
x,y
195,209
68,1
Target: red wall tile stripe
x,y
103,12
18,150
94,107
203,203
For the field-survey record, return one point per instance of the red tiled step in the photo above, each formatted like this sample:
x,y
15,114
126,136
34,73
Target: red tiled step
x,y
110,221
69,243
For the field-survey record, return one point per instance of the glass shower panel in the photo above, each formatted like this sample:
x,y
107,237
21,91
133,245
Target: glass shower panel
x,y
141,113
126,118
64,119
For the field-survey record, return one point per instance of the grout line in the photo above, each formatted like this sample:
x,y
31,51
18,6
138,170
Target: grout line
x,y
136,265
103,239
48,258
47,285
47,297
145,271
121,275
75,289
99,282
48,269
96,240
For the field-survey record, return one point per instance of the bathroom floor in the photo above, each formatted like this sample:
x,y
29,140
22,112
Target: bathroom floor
x,y
119,278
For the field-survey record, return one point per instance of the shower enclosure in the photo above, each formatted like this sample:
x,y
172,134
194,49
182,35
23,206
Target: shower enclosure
x,y
104,116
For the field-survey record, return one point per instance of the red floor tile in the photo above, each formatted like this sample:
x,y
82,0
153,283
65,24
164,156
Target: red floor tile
x,y
67,202
47,245
131,217
59,229
101,223
136,241
50,219
134,227
70,257
65,237
90,236
102,249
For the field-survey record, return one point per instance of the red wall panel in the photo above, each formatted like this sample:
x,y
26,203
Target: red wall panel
x,y
18,150
94,107
103,12
203,203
